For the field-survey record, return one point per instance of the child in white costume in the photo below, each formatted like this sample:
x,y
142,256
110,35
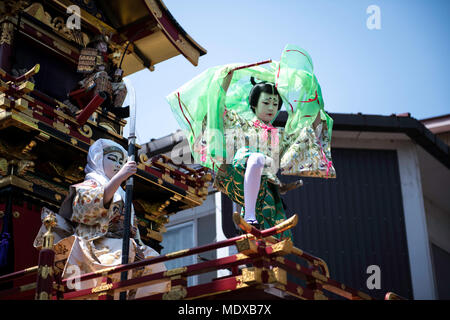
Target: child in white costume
x,y
95,209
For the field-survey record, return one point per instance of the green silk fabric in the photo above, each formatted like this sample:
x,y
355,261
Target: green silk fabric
x,y
204,95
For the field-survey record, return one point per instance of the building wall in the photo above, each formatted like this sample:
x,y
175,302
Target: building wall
x,y
374,213
441,261
354,221
201,222
438,222
435,181
445,137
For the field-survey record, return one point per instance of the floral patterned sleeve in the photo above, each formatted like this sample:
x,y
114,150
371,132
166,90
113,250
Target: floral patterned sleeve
x,y
88,203
233,120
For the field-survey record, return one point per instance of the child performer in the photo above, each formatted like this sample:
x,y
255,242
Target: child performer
x,y
227,117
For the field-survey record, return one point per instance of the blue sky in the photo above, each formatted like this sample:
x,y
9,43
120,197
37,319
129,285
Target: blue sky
x,y
402,67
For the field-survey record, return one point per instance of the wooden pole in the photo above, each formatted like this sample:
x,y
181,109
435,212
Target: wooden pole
x,y
129,185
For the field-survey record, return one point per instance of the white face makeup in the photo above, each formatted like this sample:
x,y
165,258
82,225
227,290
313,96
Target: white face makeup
x,y
112,162
267,107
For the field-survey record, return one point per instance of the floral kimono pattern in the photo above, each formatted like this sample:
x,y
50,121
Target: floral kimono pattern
x,y
215,121
97,240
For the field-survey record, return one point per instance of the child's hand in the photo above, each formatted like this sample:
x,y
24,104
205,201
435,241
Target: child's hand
x,y
127,170
227,80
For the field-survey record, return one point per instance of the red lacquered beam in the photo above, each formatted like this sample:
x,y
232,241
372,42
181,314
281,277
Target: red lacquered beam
x,y
45,274
16,290
90,108
21,78
42,96
35,34
294,268
221,263
327,283
252,65
314,260
216,287
158,174
192,180
208,289
202,267
198,268
28,74
163,258
159,170
174,170
303,293
18,274
229,284
49,109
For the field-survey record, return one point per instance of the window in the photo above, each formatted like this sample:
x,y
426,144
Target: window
x,y
178,237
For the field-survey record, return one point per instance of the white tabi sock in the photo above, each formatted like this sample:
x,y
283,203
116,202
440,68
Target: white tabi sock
x,y
252,182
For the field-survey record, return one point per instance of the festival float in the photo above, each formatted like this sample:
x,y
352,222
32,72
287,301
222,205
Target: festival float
x,y
61,89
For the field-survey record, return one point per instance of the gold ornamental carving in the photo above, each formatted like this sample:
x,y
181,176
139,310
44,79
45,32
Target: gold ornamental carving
x,y
61,127
26,87
102,287
58,24
108,126
42,137
251,275
16,181
149,207
175,293
176,197
62,47
3,166
28,286
173,272
41,182
45,271
26,120
278,275
12,7
43,296
5,102
23,166
29,147
71,174
319,276
7,31
319,296
246,246
143,158
283,247
280,259
49,222
240,256
85,131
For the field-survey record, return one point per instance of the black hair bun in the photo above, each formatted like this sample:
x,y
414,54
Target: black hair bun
x,y
252,80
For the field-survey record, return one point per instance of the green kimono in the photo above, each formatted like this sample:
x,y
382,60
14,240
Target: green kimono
x,y
223,131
